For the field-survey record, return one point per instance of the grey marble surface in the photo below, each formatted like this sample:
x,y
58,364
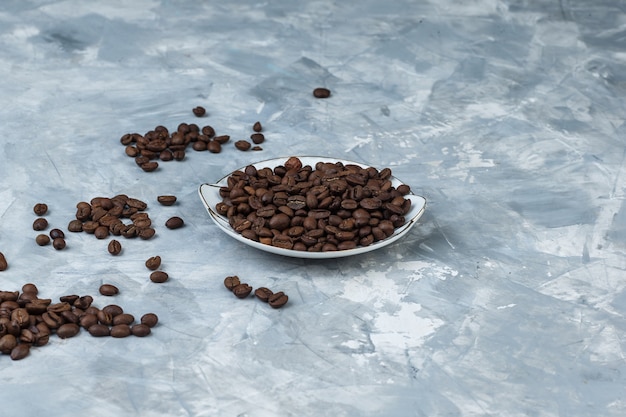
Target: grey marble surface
x,y
508,299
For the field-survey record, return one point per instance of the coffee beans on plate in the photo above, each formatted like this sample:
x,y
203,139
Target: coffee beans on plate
x,y
329,207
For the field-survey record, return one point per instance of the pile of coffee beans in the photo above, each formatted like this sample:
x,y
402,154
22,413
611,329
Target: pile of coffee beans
x,y
103,216
26,320
159,144
329,207
242,290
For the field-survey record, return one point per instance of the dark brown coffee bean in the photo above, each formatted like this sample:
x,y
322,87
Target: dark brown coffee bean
x,y
263,294
147,233
42,240
222,139
174,223
20,351
55,233
3,262
242,290
153,263
7,343
123,318
257,138
113,309
30,288
150,166
88,320
199,111
208,131
166,200
104,318
214,146
108,290
140,330
199,146
321,92
90,226
149,319
40,209
242,145
231,282
257,127
159,277
99,330
68,330
40,224
277,300
75,226
83,302
59,243
114,247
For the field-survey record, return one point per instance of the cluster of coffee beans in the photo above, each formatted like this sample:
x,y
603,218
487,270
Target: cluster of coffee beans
x,y
159,144
56,235
26,320
243,290
333,206
102,217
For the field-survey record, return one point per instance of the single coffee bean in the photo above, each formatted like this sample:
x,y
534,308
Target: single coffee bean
x,y
59,243
166,200
75,226
123,318
278,299
222,139
113,309
263,294
242,290
109,290
99,330
321,92
42,240
153,263
7,343
83,302
40,224
68,330
3,262
88,320
231,282
257,138
146,233
199,111
104,318
101,232
30,288
140,330
20,351
257,127
242,145
114,247
174,223
149,319
214,146
54,233
40,209
150,166
120,330
208,131
159,277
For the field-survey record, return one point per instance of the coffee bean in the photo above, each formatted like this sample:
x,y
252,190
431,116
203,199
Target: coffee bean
x,y
242,145
231,282
101,232
140,330
199,111
242,290
40,209
153,263
7,343
40,224
159,277
174,223
278,299
214,146
99,330
257,138
222,139
146,233
59,243
209,132
3,262
263,294
150,166
166,200
20,351
109,290
75,226
113,309
321,92
120,331
88,320
114,247
149,319
68,330
123,318
257,127
30,288
55,233
104,318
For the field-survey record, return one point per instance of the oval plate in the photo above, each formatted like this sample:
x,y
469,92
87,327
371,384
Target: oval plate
x,y
209,194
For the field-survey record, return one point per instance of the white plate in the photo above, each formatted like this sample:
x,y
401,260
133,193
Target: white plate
x,y
209,194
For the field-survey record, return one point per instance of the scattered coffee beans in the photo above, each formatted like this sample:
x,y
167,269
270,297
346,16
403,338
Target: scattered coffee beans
x,y
40,224
42,240
114,247
40,209
3,262
153,263
199,111
174,223
159,277
321,92
109,290
166,200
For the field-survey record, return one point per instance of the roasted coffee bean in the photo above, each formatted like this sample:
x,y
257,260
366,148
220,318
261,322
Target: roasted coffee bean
x,y
242,290
263,294
146,233
149,319
83,302
88,320
153,263
150,166
68,330
199,146
20,351
108,290
140,330
7,343
42,240
75,226
30,288
104,318
199,111
257,127
123,318
257,138
166,200
174,223
242,145
231,282
59,243
99,330
40,224
222,139
3,262
114,247
159,277
113,309
214,147
55,233
40,209
120,330
321,92
277,300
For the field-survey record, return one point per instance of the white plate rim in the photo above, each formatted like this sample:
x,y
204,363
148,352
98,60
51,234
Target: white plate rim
x,y
209,195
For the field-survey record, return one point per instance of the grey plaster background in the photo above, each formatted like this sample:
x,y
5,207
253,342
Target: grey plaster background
x,y
508,299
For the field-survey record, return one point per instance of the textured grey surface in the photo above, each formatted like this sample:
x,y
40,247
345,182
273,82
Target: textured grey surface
x,y
508,299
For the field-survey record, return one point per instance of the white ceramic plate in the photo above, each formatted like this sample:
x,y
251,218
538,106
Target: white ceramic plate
x,y
209,194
